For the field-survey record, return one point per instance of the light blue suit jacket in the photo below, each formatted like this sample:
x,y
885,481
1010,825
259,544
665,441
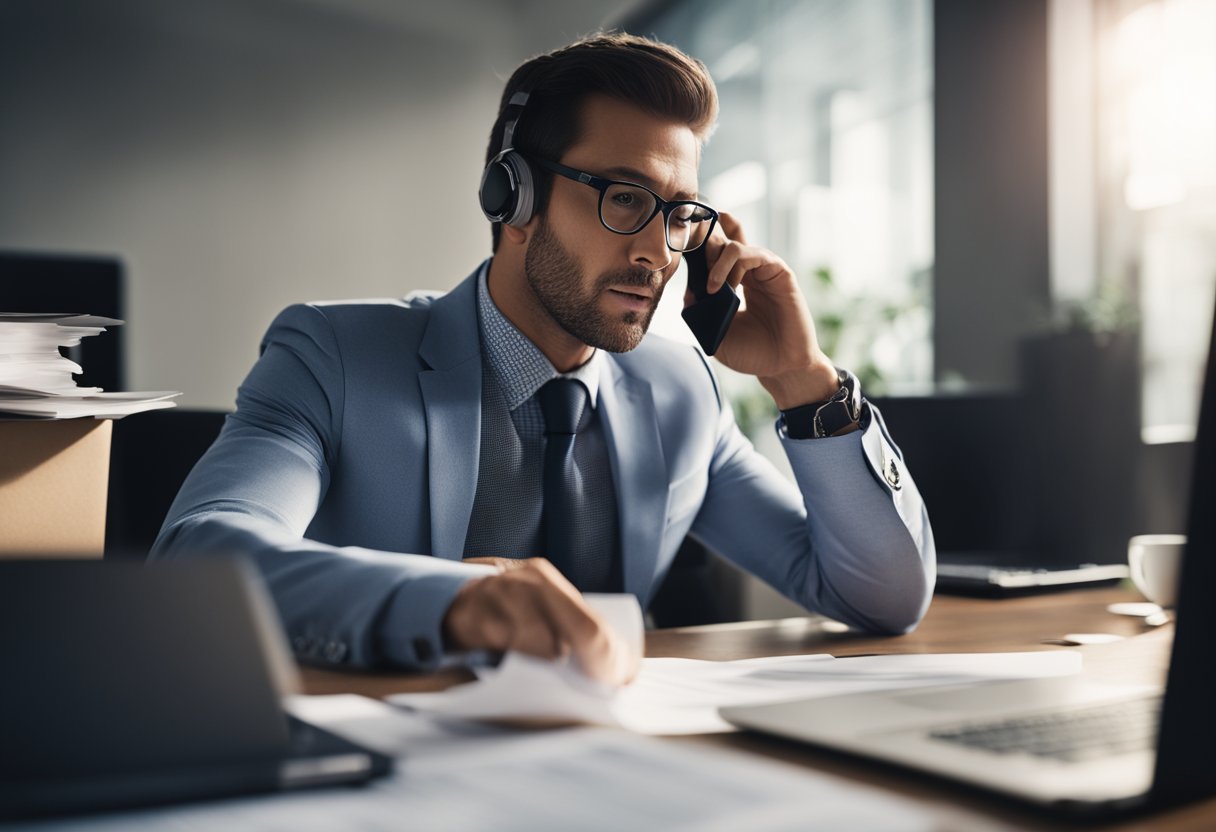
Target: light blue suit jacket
x,y
348,472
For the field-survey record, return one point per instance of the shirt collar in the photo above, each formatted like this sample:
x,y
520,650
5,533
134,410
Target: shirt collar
x,y
519,366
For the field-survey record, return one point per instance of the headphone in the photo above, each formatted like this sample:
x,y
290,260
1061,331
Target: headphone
x,y
507,193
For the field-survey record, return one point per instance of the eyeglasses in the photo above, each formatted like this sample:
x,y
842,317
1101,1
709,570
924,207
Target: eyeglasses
x,y
627,208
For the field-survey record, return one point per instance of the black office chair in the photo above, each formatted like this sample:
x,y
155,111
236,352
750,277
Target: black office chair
x,y
700,588
968,455
150,456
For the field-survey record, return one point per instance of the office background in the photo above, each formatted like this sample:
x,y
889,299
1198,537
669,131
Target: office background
x,y
952,181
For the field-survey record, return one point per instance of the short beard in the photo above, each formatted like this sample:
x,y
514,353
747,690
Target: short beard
x,y
558,283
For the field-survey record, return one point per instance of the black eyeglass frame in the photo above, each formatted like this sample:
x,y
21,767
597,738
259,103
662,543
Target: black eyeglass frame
x,y
660,205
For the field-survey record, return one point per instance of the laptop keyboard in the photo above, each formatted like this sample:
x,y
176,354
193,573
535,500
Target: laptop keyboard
x,y
1070,736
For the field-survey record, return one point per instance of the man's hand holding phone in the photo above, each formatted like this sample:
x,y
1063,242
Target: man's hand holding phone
x,y
773,336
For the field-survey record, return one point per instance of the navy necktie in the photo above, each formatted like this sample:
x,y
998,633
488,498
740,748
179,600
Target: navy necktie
x,y
563,403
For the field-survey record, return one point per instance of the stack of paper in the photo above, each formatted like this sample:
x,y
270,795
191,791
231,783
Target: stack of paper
x,y
36,380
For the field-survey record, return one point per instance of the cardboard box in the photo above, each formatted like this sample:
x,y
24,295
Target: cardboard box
x,y
53,478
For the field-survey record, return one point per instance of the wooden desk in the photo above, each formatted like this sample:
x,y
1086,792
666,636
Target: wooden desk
x,y
953,625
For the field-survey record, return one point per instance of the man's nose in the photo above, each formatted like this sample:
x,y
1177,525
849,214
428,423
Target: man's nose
x,y
648,248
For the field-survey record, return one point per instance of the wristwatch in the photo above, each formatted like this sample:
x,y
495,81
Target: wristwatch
x,y
839,413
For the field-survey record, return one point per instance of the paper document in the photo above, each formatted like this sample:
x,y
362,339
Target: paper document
x,y
469,777
682,696
36,380
98,405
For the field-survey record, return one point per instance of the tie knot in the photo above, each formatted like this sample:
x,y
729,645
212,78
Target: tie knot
x,y
562,401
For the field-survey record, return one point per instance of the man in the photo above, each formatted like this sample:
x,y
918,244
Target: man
x,y
395,468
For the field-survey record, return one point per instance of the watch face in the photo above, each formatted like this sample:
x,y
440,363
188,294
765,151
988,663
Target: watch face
x,y
832,417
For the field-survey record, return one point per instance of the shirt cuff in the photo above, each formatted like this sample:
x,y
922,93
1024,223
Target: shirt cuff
x,y
410,632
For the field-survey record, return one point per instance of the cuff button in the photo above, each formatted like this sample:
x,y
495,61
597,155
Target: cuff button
x,y
891,474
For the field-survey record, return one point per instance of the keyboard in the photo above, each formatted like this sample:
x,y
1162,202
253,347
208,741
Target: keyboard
x,y
1072,736
982,579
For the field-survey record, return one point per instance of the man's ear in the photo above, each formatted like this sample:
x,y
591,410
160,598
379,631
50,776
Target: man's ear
x,y
519,234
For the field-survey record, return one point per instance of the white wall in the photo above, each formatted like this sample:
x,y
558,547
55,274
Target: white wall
x,y
242,155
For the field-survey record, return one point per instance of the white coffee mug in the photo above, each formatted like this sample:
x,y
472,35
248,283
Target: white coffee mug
x,y
1155,561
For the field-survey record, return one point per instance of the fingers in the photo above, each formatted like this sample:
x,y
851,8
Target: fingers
x,y
731,258
731,227
592,643
728,256
531,608
502,564
734,262
737,262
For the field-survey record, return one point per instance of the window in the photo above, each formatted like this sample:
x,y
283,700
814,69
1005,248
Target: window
x,y
1156,134
825,153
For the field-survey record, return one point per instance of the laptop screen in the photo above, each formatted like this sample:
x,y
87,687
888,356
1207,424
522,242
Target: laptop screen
x,y
125,667
1186,758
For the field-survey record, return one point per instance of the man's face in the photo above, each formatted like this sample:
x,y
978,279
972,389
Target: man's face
x,y
601,287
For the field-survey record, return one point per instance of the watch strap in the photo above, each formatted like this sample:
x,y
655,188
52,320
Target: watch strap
x,y
839,413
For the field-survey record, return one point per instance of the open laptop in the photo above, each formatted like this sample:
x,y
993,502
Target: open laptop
x,y
125,684
1062,743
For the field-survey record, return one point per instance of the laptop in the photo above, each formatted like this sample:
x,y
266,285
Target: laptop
x,y
127,684
1061,743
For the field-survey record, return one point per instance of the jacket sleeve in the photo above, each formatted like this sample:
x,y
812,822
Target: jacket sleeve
x,y
257,488
855,544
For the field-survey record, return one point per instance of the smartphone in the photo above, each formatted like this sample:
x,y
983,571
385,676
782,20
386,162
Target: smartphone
x,y
708,316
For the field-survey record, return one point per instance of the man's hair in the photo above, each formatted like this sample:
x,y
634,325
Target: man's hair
x,y
652,76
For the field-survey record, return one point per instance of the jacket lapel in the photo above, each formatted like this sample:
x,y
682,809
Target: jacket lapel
x,y
639,473
451,394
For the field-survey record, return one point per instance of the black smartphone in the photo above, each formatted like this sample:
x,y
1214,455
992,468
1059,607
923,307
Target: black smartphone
x,y
708,316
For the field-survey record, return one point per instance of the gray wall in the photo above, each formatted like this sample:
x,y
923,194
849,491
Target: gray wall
x,y
241,155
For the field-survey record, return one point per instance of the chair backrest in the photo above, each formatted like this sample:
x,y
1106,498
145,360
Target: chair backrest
x,y
150,456
968,457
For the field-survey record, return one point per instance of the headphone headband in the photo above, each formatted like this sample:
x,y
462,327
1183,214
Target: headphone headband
x,y
518,101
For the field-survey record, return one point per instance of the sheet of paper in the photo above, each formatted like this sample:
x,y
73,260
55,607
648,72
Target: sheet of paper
x,y
682,696
525,688
586,779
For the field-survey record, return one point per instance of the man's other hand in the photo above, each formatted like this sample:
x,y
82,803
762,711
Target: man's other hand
x,y
530,607
773,336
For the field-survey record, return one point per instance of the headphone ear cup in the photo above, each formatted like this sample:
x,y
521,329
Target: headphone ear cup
x,y
497,191
507,194
525,189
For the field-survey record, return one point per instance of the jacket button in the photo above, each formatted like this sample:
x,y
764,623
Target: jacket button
x,y
423,650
